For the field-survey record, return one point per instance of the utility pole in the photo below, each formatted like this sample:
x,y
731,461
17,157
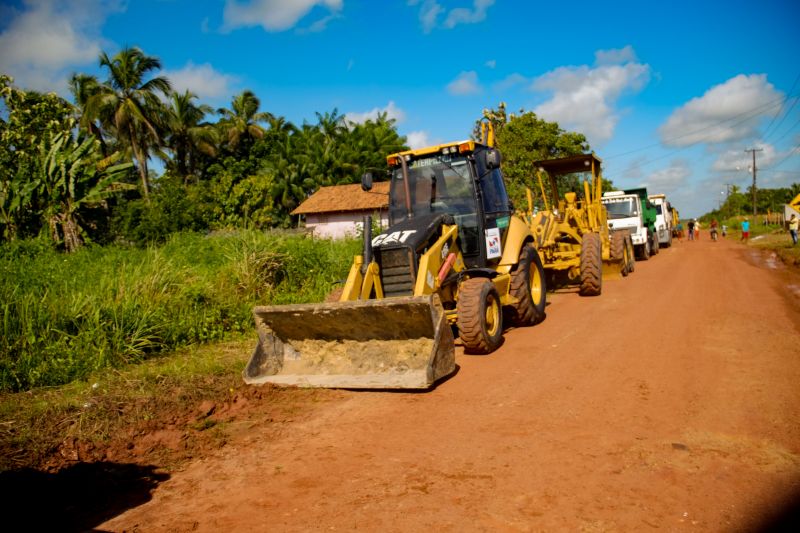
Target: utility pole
x,y
753,151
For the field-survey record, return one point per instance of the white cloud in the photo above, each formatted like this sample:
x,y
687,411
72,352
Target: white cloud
x,y
275,15
584,98
739,160
430,10
465,83
203,80
727,112
463,15
615,57
391,110
670,179
48,39
418,139
491,63
512,80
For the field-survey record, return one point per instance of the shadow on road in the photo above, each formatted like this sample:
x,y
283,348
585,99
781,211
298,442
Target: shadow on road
x,y
76,498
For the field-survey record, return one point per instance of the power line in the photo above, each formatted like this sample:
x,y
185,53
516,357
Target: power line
x,y
787,132
782,161
766,131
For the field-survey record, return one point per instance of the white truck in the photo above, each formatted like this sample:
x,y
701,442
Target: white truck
x,y
625,214
663,219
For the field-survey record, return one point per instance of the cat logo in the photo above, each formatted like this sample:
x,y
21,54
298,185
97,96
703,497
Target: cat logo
x,y
397,237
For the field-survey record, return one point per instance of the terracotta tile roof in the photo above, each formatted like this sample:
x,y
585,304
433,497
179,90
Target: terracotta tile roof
x,y
339,198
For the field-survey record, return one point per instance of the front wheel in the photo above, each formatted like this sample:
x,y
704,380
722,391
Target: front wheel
x,y
528,287
480,316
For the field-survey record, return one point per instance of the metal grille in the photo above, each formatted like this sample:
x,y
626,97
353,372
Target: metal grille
x,y
397,272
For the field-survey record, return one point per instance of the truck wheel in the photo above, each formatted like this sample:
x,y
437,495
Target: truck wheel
x,y
528,286
656,244
645,255
619,251
591,265
480,316
631,255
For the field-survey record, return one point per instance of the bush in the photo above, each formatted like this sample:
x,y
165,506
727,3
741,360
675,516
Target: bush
x,y
173,208
66,315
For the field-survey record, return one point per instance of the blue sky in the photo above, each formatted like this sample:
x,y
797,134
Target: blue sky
x,y
669,94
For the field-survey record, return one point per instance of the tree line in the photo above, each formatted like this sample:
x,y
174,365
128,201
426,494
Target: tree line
x,y
80,171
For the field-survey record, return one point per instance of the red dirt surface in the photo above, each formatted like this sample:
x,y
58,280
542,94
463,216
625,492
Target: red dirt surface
x,y
671,401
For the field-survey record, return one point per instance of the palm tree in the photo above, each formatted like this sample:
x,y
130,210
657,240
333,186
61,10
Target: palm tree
x,y
83,87
281,125
129,105
187,135
241,120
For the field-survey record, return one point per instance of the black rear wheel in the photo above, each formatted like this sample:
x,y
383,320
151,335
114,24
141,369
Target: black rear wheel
x,y
619,251
591,265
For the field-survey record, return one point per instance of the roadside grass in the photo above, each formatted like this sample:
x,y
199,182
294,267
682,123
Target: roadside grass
x,y
67,316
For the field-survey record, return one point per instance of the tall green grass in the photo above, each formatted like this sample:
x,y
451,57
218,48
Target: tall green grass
x,y
64,316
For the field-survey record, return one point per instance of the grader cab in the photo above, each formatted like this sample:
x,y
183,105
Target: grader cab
x,y
571,228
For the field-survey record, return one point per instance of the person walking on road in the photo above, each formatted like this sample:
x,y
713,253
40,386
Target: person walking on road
x,y
745,230
794,222
697,229
690,225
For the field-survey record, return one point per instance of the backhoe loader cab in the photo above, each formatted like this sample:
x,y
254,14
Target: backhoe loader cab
x,y
457,185
455,258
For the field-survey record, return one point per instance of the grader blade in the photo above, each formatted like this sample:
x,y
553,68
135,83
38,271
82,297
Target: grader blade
x,y
612,269
393,343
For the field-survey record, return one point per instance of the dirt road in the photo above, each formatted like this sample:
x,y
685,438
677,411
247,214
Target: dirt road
x,y
670,402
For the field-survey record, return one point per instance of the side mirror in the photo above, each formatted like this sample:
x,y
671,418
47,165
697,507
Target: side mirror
x,y
366,182
493,158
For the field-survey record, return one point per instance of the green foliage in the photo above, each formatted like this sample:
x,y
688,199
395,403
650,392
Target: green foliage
x,y
71,176
524,139
173,207
738,203
31,117
65,316
127,104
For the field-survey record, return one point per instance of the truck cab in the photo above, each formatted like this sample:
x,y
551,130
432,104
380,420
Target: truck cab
x,y
625,214
663,219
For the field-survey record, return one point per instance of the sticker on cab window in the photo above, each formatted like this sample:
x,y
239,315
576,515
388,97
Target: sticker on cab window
x,y
493,247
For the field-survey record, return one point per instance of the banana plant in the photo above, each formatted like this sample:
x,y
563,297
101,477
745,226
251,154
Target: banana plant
x,y
74,175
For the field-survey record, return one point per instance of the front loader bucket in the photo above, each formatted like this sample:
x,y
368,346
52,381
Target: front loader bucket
x,y
393,343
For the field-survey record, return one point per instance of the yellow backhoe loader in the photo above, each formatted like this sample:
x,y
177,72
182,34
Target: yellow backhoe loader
x,y
571,233
455,259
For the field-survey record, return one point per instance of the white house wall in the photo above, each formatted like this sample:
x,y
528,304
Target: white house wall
x,y
340,225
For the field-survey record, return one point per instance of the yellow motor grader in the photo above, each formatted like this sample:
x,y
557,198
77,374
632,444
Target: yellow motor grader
x,y
454,259
571,233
